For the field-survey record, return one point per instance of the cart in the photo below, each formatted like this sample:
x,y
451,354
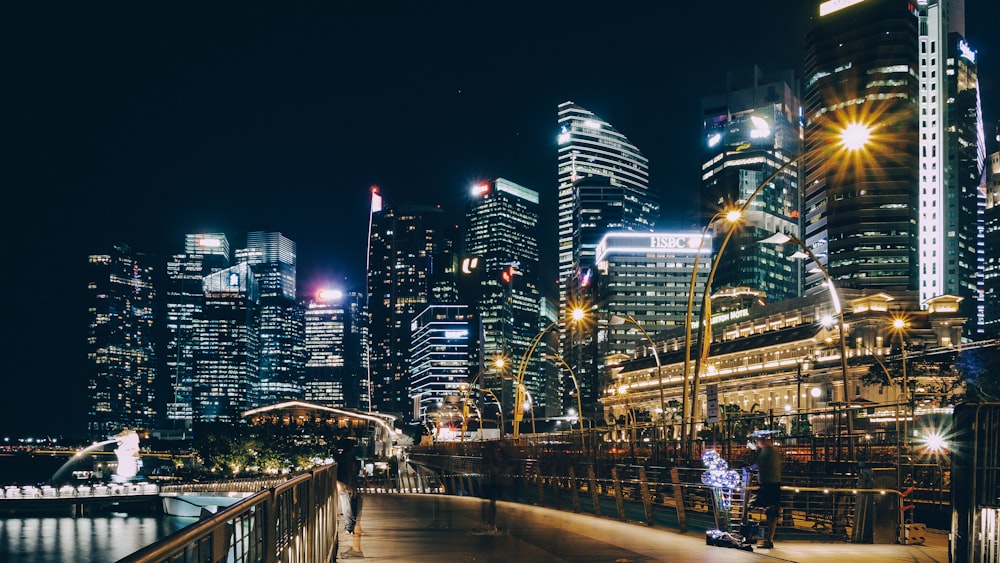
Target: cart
x,y
734,527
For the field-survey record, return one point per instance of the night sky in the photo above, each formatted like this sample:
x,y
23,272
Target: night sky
x,y
141,122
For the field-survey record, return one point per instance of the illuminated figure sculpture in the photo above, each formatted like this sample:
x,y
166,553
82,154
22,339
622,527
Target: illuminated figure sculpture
x,y
128,455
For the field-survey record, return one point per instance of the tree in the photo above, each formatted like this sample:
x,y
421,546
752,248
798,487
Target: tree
x,y
979,368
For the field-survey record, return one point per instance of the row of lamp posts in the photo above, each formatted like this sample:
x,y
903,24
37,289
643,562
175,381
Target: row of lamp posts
x,y
853,137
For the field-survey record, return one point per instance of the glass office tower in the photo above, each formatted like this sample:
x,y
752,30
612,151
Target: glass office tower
x,y
590,148
751,130
121,358
272,258
861,213
403,241
204,253
227,346
502,233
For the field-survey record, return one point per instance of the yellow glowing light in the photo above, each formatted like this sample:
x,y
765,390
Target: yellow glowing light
x,y
856,135
578,314
733,216
898,324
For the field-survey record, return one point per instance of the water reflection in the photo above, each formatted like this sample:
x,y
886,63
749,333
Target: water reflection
x,y
91,539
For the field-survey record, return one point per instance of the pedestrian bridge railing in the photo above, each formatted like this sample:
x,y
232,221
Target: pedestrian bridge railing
x,y
292,522
834,509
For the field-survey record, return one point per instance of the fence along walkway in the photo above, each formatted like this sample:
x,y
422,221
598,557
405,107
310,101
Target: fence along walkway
x,y
293,522
837,509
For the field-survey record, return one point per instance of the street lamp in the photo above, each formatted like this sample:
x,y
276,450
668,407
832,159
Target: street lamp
x,y
899,327
853,137
617,320
579,400
730,215
783,238
577,314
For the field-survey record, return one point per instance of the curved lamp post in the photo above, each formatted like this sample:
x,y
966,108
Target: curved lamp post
x,y
853,137
731,215
899,327
577,315
579,400
782,238
622,319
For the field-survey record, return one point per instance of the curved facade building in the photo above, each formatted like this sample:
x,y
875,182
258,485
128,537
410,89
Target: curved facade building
x,y
589,148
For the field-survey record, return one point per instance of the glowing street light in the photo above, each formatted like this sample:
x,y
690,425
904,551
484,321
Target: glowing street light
x,y
577,314
853,137
782,238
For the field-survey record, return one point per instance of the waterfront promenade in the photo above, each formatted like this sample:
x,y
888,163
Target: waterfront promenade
x,y
430,528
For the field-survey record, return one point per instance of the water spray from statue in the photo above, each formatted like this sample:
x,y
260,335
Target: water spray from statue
x,y
126,452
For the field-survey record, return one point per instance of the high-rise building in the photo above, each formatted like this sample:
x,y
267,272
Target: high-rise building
x,y
403,241
325,324
952,154
121,354
750,131
227,346
591,150
333,339
645,277
861,214
991,269
203,254
272,258
439,362
502,233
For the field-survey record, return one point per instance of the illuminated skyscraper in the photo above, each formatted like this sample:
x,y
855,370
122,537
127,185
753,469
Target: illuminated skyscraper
x,y
227,346
861,214
121,355
591,149
403,242
272,259
991,269
203,254
333,370
749,132
439,362
952,155
502,233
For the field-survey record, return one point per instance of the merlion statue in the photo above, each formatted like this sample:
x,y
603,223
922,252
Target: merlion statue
x,y
128,455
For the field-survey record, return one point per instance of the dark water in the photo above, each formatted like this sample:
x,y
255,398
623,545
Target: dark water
x,y
94,538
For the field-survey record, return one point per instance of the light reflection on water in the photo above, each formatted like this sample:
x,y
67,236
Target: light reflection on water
x,y
88,539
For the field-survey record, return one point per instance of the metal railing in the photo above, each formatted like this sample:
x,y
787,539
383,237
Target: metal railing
x,y
830,507
293,522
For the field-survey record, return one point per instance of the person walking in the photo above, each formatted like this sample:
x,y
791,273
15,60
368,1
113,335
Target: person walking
x,y
349,493
768,467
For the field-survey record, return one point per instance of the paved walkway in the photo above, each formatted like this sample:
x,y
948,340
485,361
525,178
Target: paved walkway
x,y
434,528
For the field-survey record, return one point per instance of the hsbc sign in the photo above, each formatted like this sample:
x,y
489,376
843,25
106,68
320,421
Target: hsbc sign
x,y
674,242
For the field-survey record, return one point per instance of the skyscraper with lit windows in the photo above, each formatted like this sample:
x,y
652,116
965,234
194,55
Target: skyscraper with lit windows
x,y
952,157
502,233
272,258
204,253
227,346
403,241
750,131
861,213
590,148
121,353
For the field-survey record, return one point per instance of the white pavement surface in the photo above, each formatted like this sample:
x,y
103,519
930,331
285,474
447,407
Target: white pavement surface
x,y
436,528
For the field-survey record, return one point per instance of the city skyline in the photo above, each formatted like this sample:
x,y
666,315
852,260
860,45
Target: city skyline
x,y
140,127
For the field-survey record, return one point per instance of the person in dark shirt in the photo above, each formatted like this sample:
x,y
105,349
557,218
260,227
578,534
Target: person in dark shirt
x,y
768,466
349,493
